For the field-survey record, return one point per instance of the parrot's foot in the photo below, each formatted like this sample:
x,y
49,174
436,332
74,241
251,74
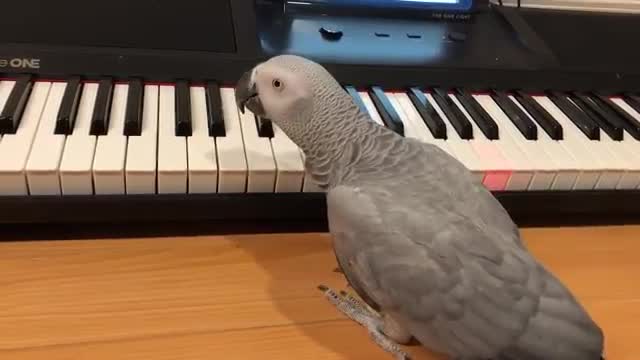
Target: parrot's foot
x,y
361,313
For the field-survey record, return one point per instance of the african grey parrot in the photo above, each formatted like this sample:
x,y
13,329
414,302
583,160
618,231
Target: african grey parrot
x,y
431,252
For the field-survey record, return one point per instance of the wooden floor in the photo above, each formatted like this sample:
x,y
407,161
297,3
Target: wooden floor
x,y
250,297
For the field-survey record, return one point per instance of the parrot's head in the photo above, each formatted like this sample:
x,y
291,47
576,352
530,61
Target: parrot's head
x,y
293,92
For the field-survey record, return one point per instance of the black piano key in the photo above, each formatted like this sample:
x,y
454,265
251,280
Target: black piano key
x,y
215,118
183,109
388,114
356,98
486,124
428,113
593,112
14,107
133,114
579,118
550,125
633,101
522,122
66,119
460,123
265,129
100,117
630,123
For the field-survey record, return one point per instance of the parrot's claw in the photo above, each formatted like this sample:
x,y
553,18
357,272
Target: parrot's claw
x,y
361,313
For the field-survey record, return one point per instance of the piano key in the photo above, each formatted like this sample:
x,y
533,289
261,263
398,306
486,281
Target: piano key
x,y
632,147
172,149
371,108
6,88
461,147
529,155
477,115
538,114
568,168
141,162
623,111
14,106
100,117
386,112
264,127
111,149
201,148
633,101
68,109
524,125
183,125
459,122
43,164
585,124
232,163
133,115
597,116
497,167
77,158
429,115
593,158
214,110
356,98
18,146
289,165
261,165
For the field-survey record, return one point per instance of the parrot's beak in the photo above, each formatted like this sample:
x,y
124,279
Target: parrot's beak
x,y
247,95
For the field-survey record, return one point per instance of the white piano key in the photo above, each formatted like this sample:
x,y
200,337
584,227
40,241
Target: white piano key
x,y
260,162
368,103
43,177
172,149
498,165
203,167
632,149
15,148
543,168
289,165
592,160
141,163
232,162
77,158
111,149
461,147
568,168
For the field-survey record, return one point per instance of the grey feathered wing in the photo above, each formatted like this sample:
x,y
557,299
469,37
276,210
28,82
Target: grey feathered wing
x,y
458,287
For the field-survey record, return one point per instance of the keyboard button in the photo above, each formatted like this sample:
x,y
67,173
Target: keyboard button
x,y
43,165
111,148
477,115
356,98
183,109
14,105
68,109
141,167
264,127
454,116
633,101
575,115
133,115
289,165
15,148
539,115
232,162
371,108
620,116
172,149
626,111
215,118
596,114
260,162
427,113
201,148
524,125
100,117
387,113
6,88
78,155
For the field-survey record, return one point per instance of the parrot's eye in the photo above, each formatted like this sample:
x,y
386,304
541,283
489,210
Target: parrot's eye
x,y
277,84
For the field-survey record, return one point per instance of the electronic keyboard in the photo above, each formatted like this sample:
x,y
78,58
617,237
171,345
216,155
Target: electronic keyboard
x,y
116,125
